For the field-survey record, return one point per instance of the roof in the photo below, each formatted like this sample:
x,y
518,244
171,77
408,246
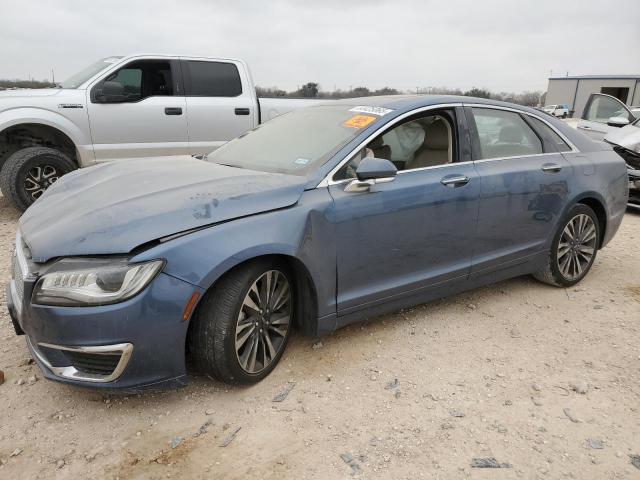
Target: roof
x,y
597,77
410,102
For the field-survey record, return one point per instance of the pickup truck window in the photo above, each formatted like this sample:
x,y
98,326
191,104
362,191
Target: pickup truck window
x,y
83,75
297,142
211,79
137,81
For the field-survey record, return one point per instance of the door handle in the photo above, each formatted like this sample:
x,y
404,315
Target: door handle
x,y
453,181
551,167
242,111
173,111
586,127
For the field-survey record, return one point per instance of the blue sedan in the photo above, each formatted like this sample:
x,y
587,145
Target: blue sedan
x,y
319,218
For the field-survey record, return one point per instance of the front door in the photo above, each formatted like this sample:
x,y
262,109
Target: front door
x,y
415,231
147,118
599,109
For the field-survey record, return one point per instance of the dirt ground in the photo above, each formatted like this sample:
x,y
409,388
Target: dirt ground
x,y
545,380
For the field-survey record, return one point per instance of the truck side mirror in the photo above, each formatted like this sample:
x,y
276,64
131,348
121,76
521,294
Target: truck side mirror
x,y
110,92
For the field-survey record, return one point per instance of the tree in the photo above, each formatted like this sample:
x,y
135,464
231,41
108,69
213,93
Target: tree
x,y
478,92
360,92
386,91
310,90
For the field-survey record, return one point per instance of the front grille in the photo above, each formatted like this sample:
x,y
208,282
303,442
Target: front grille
x,y
18,278
632,160
93,363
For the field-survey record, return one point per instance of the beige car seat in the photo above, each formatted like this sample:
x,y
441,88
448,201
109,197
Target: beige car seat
x,y
436,149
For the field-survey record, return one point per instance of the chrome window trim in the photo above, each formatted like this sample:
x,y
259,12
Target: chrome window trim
x,y
574,149
71,373
328,179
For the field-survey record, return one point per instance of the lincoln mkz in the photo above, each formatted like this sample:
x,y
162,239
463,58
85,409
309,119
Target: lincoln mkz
x,y
319,218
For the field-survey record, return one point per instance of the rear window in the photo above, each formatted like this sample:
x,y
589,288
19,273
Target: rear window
x,y
549,135
212,79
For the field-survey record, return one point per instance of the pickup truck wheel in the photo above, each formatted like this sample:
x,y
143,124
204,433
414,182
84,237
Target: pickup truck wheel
x,y
242,325
573,249
28,172
564,115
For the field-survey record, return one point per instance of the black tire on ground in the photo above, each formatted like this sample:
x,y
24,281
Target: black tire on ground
x,y
212,335
29,171
564,115
552,274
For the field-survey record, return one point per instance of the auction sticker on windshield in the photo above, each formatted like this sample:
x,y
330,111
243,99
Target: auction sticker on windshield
x,y
359,121
374,110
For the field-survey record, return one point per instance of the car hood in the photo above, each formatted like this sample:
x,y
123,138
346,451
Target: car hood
x,y
117,206
626,137
30,92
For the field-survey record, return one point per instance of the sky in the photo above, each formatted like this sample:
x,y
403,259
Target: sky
x,y
501,45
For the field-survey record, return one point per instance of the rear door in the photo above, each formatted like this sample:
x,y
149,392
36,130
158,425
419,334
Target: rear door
x,y
149,117
524,186
220,103
599,109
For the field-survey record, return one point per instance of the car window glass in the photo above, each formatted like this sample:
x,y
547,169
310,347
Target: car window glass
x,y
602,108
422,142
504,134
131,80
550,135
212,79
144,78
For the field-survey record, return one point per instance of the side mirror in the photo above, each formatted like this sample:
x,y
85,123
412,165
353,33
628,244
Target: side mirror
x,y
617,122
370,172
110,92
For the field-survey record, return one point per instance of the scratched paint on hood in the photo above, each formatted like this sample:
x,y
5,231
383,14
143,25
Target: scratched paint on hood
x,y
117,206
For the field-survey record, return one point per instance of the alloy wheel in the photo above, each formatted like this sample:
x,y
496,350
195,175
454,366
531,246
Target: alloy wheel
x,y
263,322
576,247
39,178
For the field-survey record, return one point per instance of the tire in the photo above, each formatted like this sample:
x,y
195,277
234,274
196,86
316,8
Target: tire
x,y
27,173
564,115
573,249
224,316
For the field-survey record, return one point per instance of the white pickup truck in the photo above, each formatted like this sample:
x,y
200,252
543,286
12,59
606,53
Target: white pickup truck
x,y
126,107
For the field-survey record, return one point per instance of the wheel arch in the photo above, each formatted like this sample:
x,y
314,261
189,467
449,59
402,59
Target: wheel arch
x,y
305,318
594,201
31,134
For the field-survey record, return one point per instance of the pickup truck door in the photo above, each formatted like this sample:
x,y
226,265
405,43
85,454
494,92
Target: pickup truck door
x,y
138,111
221,102
599,109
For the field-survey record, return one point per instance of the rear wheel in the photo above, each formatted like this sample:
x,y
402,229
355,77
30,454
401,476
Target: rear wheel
x,y
574,248
242,326
28,172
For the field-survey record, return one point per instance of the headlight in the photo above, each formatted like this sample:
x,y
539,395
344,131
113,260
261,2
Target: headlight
x,y
78,283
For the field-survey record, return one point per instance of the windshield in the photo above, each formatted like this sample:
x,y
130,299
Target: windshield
x,y
82,76
297,142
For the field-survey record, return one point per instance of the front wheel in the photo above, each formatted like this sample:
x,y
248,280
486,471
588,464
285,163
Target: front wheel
x,y
242,325
28,172
573,249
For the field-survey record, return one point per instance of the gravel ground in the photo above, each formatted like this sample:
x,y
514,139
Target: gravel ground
x,y
540,381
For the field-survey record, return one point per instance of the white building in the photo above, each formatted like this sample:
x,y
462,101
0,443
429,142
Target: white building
x,y
574,91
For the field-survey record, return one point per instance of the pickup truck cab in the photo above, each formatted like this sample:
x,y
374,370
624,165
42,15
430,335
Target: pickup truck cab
x,y
122,108
561,111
